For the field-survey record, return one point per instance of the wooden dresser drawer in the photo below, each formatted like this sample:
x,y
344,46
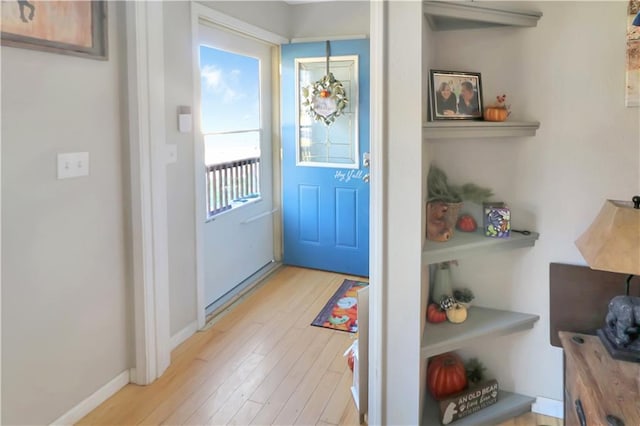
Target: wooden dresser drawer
x,y
602,385
570,416
570,393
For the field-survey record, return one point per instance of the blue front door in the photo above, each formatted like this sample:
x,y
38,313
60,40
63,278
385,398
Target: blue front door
x,y
324,168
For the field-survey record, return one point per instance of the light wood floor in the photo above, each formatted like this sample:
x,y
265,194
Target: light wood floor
x,y
261,363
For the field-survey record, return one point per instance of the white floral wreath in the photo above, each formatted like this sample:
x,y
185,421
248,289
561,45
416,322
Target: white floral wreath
x,y
326,87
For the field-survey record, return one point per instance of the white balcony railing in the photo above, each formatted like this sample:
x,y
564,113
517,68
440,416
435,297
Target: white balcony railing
x,y
231,183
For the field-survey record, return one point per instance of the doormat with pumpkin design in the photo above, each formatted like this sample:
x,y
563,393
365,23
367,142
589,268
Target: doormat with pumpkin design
x,y
341,311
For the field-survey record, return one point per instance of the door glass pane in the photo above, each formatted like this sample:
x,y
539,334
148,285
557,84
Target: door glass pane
x,y
335,145
230,106
225,147
230,91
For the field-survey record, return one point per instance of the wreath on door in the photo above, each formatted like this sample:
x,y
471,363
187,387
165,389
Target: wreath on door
x,y
326,99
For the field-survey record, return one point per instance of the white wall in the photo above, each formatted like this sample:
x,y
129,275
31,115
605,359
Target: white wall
x,y
326,19
339,18
403,216
568,73
271,15
65,311
180,181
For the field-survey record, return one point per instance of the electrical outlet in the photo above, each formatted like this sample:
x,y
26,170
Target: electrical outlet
x,y
73,164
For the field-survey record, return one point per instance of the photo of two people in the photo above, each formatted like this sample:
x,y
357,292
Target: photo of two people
x,y
455,95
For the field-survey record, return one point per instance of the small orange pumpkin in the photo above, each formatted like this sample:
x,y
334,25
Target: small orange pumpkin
x,y
446,375
495,114
435,314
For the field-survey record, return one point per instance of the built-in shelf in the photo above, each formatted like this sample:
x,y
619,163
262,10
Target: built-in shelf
x,y
443,16
464,129
509,405
465,244
481,324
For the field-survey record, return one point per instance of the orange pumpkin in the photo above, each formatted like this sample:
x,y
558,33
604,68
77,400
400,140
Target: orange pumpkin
x,y
446,375
435,314
495,114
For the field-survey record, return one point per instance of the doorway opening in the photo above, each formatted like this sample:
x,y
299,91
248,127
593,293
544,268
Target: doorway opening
x,y
236,162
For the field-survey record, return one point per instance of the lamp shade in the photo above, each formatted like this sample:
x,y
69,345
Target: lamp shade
x,y
612,242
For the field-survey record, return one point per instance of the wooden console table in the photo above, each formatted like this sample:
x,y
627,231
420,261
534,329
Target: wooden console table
x,y
596,386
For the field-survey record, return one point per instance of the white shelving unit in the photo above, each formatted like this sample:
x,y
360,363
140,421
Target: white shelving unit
x,y
465,244
462,129
445,16
482,322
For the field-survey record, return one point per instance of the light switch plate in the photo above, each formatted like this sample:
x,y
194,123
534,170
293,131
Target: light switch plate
x,y
73,164
184,123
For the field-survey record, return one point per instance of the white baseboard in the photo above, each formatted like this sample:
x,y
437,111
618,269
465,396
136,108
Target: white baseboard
x,y
92,401
548,407
183,334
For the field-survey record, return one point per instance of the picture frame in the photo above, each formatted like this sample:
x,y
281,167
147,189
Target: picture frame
x,y
70,28
632,92
455,95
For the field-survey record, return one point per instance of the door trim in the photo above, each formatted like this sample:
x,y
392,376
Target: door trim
x,y
145,68
223,20
377,260
200,12
329,38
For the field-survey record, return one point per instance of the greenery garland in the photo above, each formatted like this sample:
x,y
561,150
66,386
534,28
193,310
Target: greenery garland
x,y
438,189
326,87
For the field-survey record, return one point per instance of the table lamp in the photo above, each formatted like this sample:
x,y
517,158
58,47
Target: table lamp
x,y
612,243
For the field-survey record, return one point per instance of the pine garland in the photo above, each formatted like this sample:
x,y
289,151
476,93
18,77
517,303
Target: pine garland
x,y
440,190
475,370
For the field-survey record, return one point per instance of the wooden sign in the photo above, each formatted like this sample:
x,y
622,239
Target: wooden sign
x,y
469,401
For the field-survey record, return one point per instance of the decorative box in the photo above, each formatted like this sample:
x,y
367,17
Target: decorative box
x,y
497,220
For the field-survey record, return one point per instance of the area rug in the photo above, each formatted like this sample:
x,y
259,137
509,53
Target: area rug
x,y
341,311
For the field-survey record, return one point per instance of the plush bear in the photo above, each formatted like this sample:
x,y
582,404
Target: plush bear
x,y
439,225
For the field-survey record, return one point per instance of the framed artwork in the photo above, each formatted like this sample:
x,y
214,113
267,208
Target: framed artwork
x,y
455,95
632,95
69,27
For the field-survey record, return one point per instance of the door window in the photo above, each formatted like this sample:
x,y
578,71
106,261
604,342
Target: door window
x,y
336,145
230,105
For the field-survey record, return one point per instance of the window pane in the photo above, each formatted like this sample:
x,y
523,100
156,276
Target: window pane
x,y
335,144
230,91
230,105
231,147
233,170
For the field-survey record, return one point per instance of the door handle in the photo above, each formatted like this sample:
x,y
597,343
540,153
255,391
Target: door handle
x,y
366,159
366,178
580,413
